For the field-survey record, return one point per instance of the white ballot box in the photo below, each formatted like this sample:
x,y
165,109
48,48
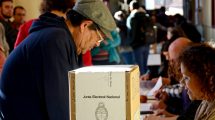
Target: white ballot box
x,y
108,92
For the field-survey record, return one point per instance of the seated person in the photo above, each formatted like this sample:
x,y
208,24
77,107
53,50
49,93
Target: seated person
x,y
173,100
172,34
197,67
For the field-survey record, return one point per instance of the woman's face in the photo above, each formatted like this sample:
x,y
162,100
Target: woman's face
x,y
191,83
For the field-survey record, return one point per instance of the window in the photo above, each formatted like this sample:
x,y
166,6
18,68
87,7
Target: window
x,y
172,6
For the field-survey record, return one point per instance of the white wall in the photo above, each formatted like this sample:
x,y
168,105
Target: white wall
x,y
31,6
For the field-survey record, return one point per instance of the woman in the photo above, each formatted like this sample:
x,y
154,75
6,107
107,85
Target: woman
x,y
197,67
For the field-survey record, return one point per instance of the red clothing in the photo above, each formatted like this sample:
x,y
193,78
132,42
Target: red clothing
x,y
23,32
87,59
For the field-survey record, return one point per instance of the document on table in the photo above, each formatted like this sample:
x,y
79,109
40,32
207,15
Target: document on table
x,y
157,86
154,59
145,106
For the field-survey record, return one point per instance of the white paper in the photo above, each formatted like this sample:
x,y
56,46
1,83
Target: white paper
x,y
154,59
145,106
157,86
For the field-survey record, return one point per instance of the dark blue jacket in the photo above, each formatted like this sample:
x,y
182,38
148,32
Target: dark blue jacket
x,y
34,82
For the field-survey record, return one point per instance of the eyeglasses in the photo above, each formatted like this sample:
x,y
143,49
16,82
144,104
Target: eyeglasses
x,y
100,36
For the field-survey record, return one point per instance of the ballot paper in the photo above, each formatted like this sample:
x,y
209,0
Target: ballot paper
x,y
157,86
154,60
145,107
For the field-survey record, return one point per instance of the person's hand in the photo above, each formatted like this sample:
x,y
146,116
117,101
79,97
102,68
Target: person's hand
x,y
163,112
154,80
152,117
161,95
160,117
166,81
145,76
158,105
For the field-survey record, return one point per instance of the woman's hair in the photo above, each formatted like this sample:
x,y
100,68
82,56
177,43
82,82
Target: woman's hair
x,y
76,19
199,59
177,32
61,5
